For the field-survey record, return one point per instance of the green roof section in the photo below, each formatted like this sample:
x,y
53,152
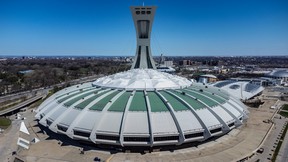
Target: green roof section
x,y
86,102
174,102
215,97
220,93
99,106
224,95
138,102
192,102
156,104
204,99
120,103
71,92
214,90
71,102
72,95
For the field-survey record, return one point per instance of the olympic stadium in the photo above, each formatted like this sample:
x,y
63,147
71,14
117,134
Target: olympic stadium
x,y
142,106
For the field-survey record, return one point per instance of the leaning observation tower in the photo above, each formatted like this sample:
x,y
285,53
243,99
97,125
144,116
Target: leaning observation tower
x,y
143,20
142,106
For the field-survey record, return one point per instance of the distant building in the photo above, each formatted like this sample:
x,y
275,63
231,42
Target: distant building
x,y
250,67
207,78
26,71
168,63
185,62
165,66
281,74
262,81
240,89
166,69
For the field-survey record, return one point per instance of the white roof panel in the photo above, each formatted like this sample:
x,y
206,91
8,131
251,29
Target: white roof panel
x,y
231,109
49,107
68,119
187,121
136,123
163,123
88,120
222,113
110,122
57,113
204,114
236,105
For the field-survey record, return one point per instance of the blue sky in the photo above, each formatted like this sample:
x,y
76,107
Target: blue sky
x,y
182,27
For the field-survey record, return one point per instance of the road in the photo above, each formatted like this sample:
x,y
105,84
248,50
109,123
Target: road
x,y
21,105
43,90
27,94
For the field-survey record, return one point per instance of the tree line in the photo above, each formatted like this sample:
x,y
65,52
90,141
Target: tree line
x,y
14,76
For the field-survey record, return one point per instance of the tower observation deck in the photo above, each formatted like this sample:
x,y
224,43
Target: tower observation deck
x,y
143,19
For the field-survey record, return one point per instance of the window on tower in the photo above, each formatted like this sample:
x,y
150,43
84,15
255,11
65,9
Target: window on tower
x,y
143,28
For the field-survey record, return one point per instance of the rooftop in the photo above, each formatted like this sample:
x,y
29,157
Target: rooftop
x,y
278,73
142,79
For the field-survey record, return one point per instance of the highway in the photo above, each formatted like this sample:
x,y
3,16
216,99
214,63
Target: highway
x,y
43,90
22,104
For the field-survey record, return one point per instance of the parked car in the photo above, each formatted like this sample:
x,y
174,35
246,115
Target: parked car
x,y
261,150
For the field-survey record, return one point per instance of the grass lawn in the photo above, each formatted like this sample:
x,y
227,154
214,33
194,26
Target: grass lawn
x,y
4,122
285,107
285,114
38,103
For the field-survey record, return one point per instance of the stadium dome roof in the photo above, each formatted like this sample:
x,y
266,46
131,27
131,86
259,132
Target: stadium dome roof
x,y
142,79
239,89
282,73
120,111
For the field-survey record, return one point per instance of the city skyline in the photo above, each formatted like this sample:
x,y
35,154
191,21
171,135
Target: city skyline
x,y
185,28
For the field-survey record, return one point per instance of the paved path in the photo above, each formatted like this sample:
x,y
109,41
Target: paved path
x,y
283,153
8,141
272,141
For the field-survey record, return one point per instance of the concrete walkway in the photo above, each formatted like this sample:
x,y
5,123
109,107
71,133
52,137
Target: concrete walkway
x,y
283,152
8,141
